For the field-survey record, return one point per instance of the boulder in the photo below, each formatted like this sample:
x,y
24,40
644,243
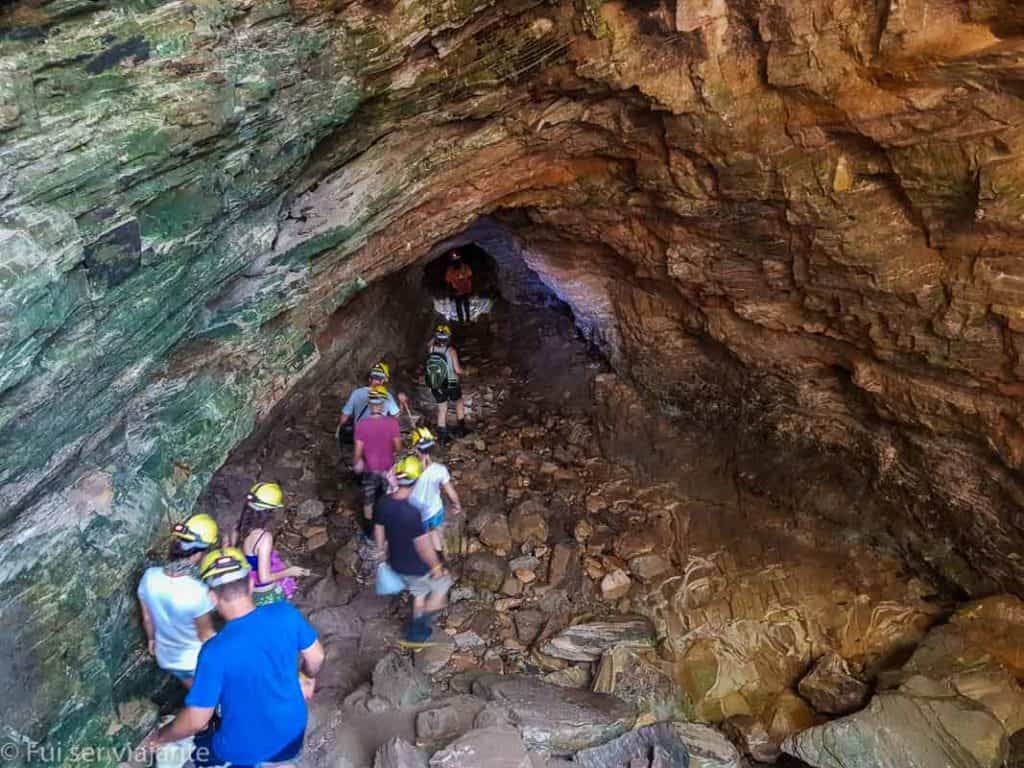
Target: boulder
x,y
308,510
485,571
576,676
493,747
326,592
903,730
556,719
564,569
615,585
525,575
449,719
637,677
977,655
583,530
398,682
638,541
708,748
435,657
638,745
528,522
528,624
494,531
752,738
587,641
831,688
649,567
397,753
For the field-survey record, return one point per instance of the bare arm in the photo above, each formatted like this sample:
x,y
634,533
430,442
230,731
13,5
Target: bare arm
x,y
379,539
398,444
449,491
263,563
425,549
312,659
455,361
357,452
204,626
147,624
190,721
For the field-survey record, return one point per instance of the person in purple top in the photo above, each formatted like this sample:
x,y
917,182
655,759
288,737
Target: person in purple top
x,y
377,439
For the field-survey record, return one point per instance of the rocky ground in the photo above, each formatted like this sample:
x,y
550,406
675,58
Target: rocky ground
x,y
619,621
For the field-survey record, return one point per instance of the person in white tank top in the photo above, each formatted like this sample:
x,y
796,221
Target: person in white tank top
x,y
426,494
176,606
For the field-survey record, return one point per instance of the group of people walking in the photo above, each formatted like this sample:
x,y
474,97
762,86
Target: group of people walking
x,y
256,673
247,684
404,490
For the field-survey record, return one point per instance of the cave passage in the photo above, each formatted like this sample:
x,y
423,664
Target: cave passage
x,y
570,546
484,281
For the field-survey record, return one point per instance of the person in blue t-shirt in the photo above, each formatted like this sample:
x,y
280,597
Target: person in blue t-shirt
x,y
249,671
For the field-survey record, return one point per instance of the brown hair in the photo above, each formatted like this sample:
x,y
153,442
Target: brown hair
x,y
254,519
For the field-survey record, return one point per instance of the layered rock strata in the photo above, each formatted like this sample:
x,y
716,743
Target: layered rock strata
x,y
795,219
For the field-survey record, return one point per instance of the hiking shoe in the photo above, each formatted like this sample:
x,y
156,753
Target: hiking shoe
x,y
462,429
419,631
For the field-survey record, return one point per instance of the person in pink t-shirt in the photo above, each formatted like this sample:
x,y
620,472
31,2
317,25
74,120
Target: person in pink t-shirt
x,y
377,440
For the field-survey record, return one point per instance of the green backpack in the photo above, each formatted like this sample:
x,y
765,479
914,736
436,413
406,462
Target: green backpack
x,y
437,370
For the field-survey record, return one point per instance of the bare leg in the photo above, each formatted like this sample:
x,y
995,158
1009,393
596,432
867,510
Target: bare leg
x,y
460,410
418,605
442,415
437,539
436,601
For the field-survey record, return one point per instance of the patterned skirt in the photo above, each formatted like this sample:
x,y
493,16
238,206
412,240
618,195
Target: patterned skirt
x,y
268,597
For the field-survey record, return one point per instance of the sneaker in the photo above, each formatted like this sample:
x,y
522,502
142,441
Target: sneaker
x,y
419,631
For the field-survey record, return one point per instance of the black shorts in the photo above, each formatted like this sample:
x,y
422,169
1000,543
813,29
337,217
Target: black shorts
x,y
449,395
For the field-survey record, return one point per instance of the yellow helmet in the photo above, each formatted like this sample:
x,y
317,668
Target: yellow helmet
x,y
377,394
408,470
197,533
381,371
422,439
443,330
265,496
222,566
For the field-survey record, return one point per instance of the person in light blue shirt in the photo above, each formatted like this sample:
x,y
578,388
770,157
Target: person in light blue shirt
x,y
357,407
255,670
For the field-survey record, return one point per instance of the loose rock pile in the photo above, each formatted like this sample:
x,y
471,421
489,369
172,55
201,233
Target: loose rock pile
x,y
598,618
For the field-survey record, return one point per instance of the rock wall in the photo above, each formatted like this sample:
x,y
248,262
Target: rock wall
x,y
798,218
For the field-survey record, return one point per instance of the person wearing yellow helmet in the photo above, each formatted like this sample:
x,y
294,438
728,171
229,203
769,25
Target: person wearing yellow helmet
x,y
442,376
426,494
273,579
248,673
357,407
377,439
404,542
176,607
459,277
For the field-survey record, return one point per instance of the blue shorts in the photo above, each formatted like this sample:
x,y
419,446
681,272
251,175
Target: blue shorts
x,y
435,521
181,674
203,755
